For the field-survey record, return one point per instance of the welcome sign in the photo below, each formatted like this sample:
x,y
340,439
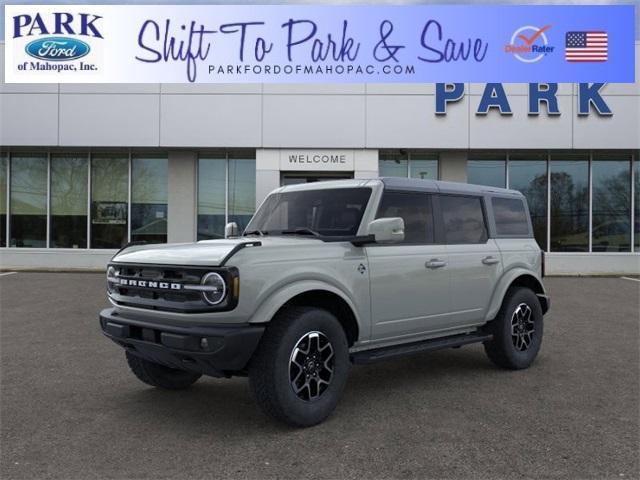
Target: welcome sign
x,y
327,44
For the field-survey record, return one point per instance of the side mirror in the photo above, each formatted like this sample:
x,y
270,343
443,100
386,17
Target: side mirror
x,y
231,230
387,230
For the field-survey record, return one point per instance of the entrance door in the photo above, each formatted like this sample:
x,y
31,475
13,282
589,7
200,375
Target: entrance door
x,y
294,178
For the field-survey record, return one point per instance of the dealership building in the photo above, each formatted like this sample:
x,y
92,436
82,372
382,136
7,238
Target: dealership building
x,y
86,168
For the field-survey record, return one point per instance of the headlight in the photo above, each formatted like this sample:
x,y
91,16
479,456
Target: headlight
x,y
215,289
111,274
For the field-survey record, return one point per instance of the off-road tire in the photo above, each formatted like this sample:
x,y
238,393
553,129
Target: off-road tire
x,y
502,349
270,369
160,376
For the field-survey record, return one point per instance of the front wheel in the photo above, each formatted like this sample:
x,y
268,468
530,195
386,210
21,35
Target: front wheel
x,y
517,330
299,371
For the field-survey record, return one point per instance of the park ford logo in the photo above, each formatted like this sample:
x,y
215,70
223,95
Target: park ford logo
x,y
57,49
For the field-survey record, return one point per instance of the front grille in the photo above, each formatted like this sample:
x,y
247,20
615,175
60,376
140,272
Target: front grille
x,y
152,287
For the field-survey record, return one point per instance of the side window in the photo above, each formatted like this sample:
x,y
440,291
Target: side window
x,y
510,215
463,219
414,209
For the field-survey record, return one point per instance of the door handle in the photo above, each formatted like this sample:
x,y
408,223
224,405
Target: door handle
x,y
490,260
435,263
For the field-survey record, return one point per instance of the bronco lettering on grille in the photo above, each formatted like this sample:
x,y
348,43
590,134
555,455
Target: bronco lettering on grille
x,y
128,282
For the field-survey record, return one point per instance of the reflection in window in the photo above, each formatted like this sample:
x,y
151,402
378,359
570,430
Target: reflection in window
x,y
333,212
109,196
610,210
3,200
423,167
28,201
211,197
399,163
415,210
510,216
528,174
149,195
219,202
569,204
486,170
68,201
393,164
242,190
463,219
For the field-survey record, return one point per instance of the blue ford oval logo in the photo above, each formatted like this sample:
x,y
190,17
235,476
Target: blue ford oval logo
x,y
57,49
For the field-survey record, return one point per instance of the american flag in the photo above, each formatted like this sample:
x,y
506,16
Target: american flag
x,y
586,47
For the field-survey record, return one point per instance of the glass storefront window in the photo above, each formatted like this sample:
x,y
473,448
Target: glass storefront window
x,y
400,163
212,174
486,169
393,164
4,161
611,204
68,207
423,166
28,209
220,202
569,203
528,174
149,196
242,190
109,197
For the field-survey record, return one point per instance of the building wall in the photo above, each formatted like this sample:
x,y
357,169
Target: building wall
x,y
358,119
303,116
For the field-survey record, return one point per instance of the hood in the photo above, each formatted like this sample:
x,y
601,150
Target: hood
x,y
211,253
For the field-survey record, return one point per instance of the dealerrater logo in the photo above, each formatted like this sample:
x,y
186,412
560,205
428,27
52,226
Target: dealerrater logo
x,y
529,44
56,38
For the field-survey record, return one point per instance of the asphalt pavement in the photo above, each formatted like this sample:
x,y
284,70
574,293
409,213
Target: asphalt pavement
x,y
70,409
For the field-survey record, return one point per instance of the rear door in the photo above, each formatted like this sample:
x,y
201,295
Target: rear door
x,y
475,264
409,280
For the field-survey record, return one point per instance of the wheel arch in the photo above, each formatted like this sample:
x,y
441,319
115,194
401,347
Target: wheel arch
x,y
314,294
517,278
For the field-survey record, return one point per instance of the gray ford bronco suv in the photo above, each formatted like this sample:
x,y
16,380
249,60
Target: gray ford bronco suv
x,y
327,275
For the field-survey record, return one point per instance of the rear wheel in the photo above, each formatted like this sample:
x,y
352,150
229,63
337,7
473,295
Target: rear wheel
x,y
299,371
517,330
160,376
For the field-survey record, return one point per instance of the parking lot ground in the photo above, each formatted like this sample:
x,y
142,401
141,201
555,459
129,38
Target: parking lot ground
x,y
70,409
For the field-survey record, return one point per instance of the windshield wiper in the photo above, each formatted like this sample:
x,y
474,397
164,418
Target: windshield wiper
x,y
301,231
255,232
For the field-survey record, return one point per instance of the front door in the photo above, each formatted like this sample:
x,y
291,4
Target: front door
x,y
294,178
409,280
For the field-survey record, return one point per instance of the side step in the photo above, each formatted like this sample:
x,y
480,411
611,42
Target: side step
x,y
395,351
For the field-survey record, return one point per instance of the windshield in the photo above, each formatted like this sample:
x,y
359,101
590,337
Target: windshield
x,y
330,212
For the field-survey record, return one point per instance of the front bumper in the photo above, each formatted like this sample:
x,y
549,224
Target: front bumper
x,y
227,349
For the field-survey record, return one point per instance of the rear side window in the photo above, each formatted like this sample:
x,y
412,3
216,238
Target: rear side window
x,y
463,219
510,216
415,210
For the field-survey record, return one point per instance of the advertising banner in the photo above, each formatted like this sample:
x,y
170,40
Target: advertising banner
x,y
326,44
